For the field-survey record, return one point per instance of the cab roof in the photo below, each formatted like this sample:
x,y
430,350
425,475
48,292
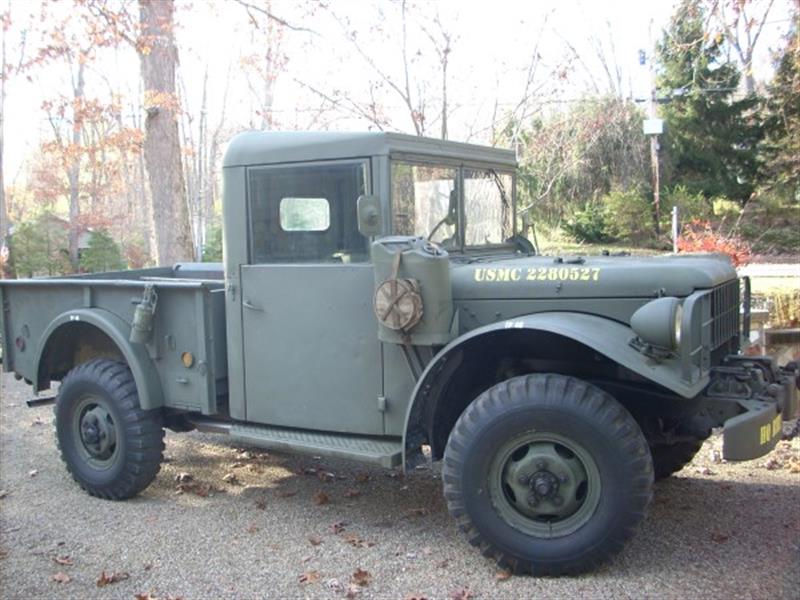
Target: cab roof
x,y
274,147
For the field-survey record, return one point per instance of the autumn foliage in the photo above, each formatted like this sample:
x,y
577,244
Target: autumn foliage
x,y
700,236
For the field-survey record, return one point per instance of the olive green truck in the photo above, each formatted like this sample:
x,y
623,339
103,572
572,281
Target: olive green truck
x,y
377,303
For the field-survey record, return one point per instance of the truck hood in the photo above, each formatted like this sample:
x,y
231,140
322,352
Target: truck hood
x,y
588,277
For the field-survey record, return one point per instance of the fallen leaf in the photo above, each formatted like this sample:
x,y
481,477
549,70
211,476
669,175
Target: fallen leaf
x,y
337,527
307,471
772,464
287,493
461,594
147,567
503,575
321,498
704,471
352,591
255,469
442,563
334,585
719,538
231,479
314,541
252,529
306,559
3,553
37,421
197,488
325,476
361,577
362,477
357,542
415,597
351,493
309,577
245,455
33,472
183,477
61,577
237,465
63,560
261,504
108,579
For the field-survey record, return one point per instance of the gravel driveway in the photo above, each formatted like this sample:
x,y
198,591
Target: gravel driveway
x,y
286,527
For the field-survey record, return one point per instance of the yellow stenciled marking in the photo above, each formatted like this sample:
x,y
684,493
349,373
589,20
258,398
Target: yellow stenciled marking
x,y
509,274
765,434
777,425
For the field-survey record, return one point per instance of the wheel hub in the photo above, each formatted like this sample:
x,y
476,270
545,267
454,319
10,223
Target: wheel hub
x,y
98,432
544,484
547,484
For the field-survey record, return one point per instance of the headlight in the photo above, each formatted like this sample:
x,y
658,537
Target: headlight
x,y
659,323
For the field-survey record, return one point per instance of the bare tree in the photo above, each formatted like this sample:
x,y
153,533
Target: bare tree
x,y
741,22
162,151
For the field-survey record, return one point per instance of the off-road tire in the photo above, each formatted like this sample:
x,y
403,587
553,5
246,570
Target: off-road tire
x,y
135,457
671,459
548,404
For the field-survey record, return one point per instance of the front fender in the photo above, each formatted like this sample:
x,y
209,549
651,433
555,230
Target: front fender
x,y
144,372
604,336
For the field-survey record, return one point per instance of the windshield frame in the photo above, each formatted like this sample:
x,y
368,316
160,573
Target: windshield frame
x,y
460,166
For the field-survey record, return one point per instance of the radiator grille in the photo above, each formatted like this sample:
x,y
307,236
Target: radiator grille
x,y
724,313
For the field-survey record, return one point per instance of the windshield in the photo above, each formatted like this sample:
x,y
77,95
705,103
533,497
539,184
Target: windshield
x,y
427,201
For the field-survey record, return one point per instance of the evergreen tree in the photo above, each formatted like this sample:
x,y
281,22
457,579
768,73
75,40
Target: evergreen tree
x,y
103,254
711,137
782,143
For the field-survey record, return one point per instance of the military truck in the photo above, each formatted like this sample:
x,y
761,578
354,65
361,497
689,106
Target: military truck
x,y
378,303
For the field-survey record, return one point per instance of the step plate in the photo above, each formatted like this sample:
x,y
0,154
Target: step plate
x,y
363,449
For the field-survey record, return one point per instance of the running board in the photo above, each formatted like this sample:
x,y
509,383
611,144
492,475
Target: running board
x,y
374,450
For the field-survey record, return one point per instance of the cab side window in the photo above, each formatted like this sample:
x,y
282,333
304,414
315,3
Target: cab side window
x,y
306,213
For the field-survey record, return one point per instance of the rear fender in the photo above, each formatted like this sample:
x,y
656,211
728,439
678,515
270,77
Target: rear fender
x,y
144,372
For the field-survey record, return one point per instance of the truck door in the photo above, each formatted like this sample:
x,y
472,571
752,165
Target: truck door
x,y
312,357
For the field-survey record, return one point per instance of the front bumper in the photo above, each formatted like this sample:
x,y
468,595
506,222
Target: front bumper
x,y
756,430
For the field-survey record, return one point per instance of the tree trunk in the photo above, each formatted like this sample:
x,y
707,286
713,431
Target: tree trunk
x,y
3,210
162,151
73,171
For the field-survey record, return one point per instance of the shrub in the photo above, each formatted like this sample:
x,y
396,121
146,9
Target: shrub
x,y
103,254
691,207
629,216
589,225
700,236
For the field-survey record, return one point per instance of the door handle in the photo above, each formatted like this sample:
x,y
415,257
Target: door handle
x,y
247,304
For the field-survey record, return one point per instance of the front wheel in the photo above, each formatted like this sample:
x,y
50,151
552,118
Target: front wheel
x,y
547,474
112,447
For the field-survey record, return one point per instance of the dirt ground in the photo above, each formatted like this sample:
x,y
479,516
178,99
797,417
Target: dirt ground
x,y
295,527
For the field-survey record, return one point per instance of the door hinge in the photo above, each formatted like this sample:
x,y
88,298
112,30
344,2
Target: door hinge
x,y
382,403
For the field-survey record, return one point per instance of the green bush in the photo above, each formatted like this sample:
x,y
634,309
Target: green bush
x,y
39,247
103,254
691,207
629,215
589,225
212,250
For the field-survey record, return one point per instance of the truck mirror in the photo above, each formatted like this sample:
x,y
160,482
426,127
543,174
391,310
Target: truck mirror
x,y
369,215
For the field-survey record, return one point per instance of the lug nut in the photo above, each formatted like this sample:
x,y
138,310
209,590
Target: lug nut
x,y
533,500
540,464
523,479
563,478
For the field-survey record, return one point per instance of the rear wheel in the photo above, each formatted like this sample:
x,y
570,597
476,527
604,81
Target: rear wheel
x,y
111,447
547,474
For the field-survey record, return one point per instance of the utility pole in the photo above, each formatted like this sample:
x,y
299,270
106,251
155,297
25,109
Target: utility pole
x,y
653,127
